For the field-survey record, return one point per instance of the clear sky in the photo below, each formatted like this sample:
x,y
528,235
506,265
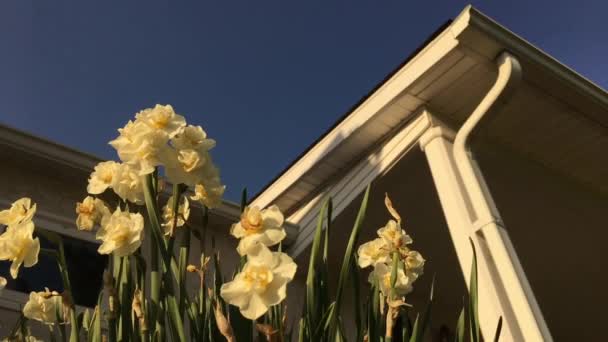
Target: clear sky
x,y
264,78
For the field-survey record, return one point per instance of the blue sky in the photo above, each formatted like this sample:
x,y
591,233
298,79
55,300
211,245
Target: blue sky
x,y
264,78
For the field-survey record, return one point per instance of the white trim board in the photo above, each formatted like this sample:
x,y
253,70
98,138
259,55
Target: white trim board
x,y
348,187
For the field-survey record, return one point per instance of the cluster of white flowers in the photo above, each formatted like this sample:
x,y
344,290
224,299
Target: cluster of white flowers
x,y
263,279
17,243
160,137
157,137
379,252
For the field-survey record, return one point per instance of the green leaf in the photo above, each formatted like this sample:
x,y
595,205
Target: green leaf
x,y
357,299
153,215
302,331
94,334
460,327
406,326
346,263
422,322
374,317
311,279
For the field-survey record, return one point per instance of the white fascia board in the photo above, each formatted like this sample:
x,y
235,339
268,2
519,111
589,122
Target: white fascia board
x,y
345,189
441,46
472,25
47,149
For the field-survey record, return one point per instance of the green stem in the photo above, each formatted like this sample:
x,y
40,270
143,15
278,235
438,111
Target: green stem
x,y
154,286
394,273
153,215
184,253
68,292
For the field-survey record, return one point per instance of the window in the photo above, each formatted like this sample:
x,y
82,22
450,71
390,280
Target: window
x,y
85,267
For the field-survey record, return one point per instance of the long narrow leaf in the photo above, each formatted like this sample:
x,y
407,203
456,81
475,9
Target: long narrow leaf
x,y
420,327
311,288
460,327
346,263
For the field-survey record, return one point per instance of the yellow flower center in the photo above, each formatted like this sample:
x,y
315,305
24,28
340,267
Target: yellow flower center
x,y
201,192
160,120
82,208
258,277
394,236
106,177
121,235
252,220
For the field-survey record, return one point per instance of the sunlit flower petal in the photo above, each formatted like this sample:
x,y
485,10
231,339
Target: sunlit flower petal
x,y
262,282
382,274
373,252
128,184
102,177
263,226
162,118
18,245
122,234
193,137
91,211
42,306
141,146
3,283
169,218
21,210
394,236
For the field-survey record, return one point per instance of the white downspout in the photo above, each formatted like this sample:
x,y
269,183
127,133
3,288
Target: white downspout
x,y
490,237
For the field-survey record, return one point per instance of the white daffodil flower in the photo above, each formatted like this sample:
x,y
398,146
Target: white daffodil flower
x,y
382,274
21,210
209,191
18,245
141,146
127,184
169,218
162,118
373,252
91,211
193,137
263,226
102,177
121,234
3,283
261,284
414,264
42,306
394,236
187,166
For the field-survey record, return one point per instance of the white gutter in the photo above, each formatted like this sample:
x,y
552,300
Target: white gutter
x,y
490,236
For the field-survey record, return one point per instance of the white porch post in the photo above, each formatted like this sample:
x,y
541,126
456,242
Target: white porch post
x,y
436,142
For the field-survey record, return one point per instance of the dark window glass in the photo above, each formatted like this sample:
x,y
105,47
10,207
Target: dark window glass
x,y
85,267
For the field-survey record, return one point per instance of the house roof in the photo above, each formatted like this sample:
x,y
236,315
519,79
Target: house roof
x,y
449,75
